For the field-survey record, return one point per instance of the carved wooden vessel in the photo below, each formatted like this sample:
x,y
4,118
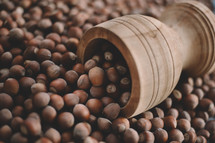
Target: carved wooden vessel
x,y
156,52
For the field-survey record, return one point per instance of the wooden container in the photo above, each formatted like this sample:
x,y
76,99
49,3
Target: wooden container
x,y
155,52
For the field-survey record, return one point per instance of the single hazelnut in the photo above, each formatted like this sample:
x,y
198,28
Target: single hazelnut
x,y
170,122
98,135
56,101
53,71
130,136
156,123
190,137
68,59
5,116
198,123
81,131
147,115
95,106
104,124
96,76
53,135
32,68
17,71
191,101
81,112
89,65
183,125
176,135
113,75
97,91
107,100
41,99
38,87
11,86
43,54
144,124
65,120
70,99
83,82
203,132
124,98
57,85
82,95
118,123
49,114
161,136
79,68
25,84
111,111
146,137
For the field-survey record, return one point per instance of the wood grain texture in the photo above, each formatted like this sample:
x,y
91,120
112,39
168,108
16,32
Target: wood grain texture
x,y
156,52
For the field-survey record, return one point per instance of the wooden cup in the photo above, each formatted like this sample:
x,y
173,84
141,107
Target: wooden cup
x,y
155,52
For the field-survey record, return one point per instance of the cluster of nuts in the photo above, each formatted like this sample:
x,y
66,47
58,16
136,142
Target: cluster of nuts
x,y
47,96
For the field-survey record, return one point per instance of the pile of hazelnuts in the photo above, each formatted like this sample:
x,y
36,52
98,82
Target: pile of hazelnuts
x,y
48,96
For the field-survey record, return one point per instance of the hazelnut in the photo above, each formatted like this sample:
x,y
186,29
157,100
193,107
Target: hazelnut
x,y
185,115
89,65
16,123
38,87
146,137
31,126
201,139
95,106
44,23
26,83
18,137
41,78
5,132
49,114
112,138
158,112
65,120
81,112
70,99
190,137
41,99
117,123
176,135
124,98
112,90
83,82
5,116
112,75
156,123
18,60
79,68
16,35
130,136
191,101
32,68
82,95
43,140
58,27
96,76
170,122
43,54
173,112
6,59
104,124
204,133
11,86
206,104
71,76
18,111
186,88
97,135
48,44
53,71
210,126
161,136
56,58
183,125
111,111
147,115
4,74
97,92
198,123
56,101
53,135
125,83
81,130
68,59
57,85
45,64
144,124
17,71
106,100
199,92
